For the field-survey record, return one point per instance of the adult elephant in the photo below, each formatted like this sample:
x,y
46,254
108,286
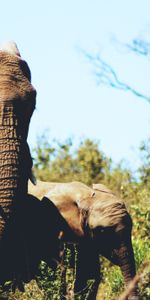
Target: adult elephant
x,y
95,219
17,102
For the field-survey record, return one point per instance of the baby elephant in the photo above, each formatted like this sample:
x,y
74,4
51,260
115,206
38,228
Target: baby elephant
x,y
93,218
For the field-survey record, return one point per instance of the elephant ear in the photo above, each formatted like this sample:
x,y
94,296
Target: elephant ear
x,y
72,201
67,207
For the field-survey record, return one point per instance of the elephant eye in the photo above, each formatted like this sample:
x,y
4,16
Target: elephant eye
x,y
93,194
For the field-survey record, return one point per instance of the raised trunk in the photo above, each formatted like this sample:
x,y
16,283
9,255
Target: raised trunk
x,y
17,102
15,165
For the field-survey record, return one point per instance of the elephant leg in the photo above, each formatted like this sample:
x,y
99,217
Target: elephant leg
x,y
12,256
87,268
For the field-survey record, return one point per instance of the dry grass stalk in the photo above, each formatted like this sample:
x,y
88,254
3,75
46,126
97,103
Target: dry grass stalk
x,y
133,284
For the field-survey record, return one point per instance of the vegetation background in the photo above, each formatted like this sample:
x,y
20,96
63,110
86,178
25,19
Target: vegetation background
x,y
54,161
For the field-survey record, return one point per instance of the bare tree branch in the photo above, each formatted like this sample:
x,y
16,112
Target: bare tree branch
x,y
134,282
131,287
106,75
140,47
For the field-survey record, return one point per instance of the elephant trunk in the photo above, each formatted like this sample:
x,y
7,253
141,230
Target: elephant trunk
x,y
15,168
17,102
15,159
126,261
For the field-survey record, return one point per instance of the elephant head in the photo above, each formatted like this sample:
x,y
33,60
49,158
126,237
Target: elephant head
x,y
99,223
111,223
17,102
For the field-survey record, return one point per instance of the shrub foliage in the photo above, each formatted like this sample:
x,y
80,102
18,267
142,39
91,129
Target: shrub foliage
x,y
87,163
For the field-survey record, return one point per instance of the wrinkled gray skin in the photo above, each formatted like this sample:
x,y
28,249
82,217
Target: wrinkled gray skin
x,y
17,102
91,217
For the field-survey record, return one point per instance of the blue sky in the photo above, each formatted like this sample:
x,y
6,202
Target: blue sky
x,y
69,102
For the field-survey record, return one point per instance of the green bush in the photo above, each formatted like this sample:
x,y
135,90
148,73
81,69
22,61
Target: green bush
x,y
58,162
